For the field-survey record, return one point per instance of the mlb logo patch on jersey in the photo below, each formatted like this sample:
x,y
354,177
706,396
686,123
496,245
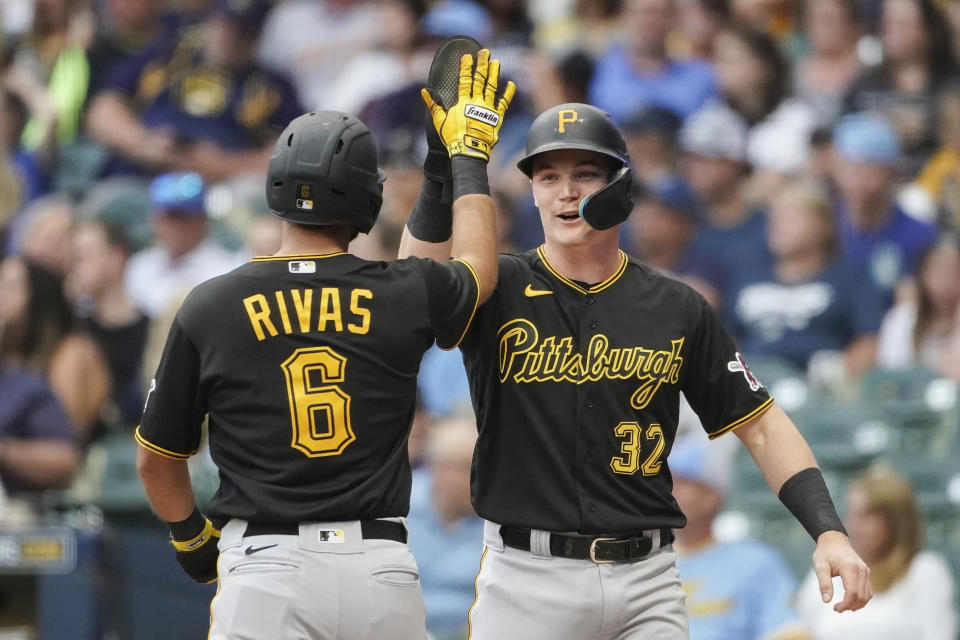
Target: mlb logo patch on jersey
x,y
330,536
302,266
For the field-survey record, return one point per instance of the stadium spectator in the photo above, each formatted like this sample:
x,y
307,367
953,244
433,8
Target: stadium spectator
x,y
700,22
652,140
43,232
662,227
96,284
445,533
183,255
916,331
874,231
940,177
913,588
640,72
393,61
38,335
917,61
54,55
591,25
754,81
714,162
27,176
314,40
125,29
735,590
810,299
823,75
36,437
196,103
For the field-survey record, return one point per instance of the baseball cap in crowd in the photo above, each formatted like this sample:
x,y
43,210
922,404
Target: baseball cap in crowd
x,y
715,131
246,14
653,120
458,17
674,194
696,459
180,192
866,137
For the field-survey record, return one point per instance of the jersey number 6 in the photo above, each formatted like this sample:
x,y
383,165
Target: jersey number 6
x,y
320,413
630,435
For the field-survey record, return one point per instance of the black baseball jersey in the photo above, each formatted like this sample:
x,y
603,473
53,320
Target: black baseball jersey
x,y
576,389
306,367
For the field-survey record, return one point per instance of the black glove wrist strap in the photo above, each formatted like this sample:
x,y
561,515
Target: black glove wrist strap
x,y
189,528
469,176
430,220
806,495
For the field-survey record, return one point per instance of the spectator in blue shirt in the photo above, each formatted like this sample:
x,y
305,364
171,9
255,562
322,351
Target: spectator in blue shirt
x,y
446,536
809,300
640,72
735,590
198,103
713,143
874,231
36,437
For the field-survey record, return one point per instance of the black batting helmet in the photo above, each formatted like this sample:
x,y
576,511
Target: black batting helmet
x,y
581,126
323,171
573,126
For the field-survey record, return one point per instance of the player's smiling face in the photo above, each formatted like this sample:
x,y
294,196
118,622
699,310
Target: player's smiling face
x,y
560,180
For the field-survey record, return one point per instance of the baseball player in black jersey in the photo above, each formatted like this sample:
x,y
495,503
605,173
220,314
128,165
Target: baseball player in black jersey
x,y
305,364
576,364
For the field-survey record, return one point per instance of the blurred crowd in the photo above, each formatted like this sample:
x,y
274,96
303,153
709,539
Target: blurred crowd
x,y
797,162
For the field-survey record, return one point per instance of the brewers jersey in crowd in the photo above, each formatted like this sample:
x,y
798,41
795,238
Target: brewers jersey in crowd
x,y
589,379
303,365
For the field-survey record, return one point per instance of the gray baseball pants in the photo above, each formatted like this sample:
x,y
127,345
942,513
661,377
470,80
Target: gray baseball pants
x,y
325,583
530,595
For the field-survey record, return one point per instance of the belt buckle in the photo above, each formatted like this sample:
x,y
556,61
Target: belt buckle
x,y
593,550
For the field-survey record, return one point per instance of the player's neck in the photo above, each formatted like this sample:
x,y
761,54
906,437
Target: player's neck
x,y
302,240
590,263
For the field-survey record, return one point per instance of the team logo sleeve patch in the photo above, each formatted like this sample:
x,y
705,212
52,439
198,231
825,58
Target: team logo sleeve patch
x,y
738,364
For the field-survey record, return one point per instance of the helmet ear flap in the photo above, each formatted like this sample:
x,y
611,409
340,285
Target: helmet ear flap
x,y
610,205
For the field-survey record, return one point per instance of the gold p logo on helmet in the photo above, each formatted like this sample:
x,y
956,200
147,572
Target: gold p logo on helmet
x,y
565,116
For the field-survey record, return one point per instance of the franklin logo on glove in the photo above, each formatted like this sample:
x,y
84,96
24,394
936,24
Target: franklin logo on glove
x,y
484,115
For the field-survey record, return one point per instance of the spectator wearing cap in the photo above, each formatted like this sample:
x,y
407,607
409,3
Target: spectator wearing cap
x,y
874,231
713,144
640,72
313,41
182,256
737,590
652,137
809,300
662,227
199,103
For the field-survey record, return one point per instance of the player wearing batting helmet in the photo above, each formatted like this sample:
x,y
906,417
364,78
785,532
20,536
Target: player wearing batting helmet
x,y
305,364
576,364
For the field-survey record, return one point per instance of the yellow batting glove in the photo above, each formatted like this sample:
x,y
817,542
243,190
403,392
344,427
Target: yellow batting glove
x,y
472,126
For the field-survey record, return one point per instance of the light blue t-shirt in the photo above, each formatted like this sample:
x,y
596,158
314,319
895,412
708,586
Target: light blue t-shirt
x,y
621,90
448,559
737,591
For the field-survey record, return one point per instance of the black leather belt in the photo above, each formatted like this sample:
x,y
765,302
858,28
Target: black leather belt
x,y
370,529
619,549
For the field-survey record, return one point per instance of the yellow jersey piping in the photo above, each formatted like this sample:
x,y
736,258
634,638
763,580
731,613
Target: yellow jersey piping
x,y
476,303
305,256
173,455
570,283
747,418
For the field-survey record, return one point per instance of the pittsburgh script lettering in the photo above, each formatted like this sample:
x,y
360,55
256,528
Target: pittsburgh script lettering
x,y
524,357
